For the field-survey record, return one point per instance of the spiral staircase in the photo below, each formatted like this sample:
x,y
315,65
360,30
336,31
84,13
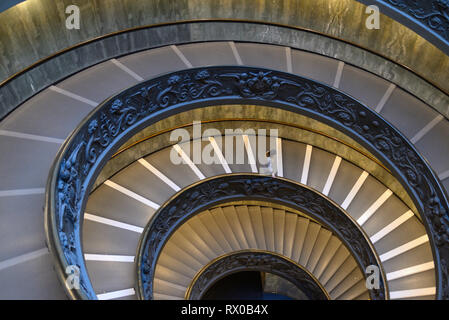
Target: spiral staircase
x,y
119,209
140,179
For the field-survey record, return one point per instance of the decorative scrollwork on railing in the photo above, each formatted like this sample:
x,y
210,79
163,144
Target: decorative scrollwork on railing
x,y
234,187
101,134
428,18
256,261
434,14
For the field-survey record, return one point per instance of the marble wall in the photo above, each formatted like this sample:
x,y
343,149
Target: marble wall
x,y
61,66
36,29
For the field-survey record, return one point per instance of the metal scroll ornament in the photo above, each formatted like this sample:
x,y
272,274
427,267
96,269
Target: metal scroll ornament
x,y
434,14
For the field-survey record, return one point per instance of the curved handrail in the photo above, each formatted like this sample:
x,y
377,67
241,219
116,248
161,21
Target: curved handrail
x,y
428,18
256,260
88,148
211,192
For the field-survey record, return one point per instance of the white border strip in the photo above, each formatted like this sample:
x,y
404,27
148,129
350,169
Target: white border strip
x,y
159,174
288,57
421,133
337,79
443,175
126,69
181,56
219,154
410,271
131,194
28,136
250,153
235,52
373,208
189,162
306,166
116,294
21,192
393,225
279,163
112,223
404,248
332,174
385,98
412,293
74,96
355,189
23,258
108,257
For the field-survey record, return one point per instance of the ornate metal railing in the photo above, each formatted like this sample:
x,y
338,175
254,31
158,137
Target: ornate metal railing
x,y
234,187
84,154
429,18
255,260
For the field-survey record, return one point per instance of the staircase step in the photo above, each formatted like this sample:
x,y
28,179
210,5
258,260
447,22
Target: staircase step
x,y
318,249
311,236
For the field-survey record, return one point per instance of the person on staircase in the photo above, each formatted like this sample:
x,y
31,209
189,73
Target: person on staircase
x,y
267,167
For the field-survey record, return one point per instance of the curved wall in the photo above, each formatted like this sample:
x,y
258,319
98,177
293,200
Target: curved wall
x,y
57,68
36,29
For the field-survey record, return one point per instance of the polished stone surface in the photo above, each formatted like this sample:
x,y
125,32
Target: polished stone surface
x,y
100,273
43,22
30,162
99,82
49,114
436,139
406,113
34,275
21,225
356,82
104,239
208,53
273,56
314,66
112,203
